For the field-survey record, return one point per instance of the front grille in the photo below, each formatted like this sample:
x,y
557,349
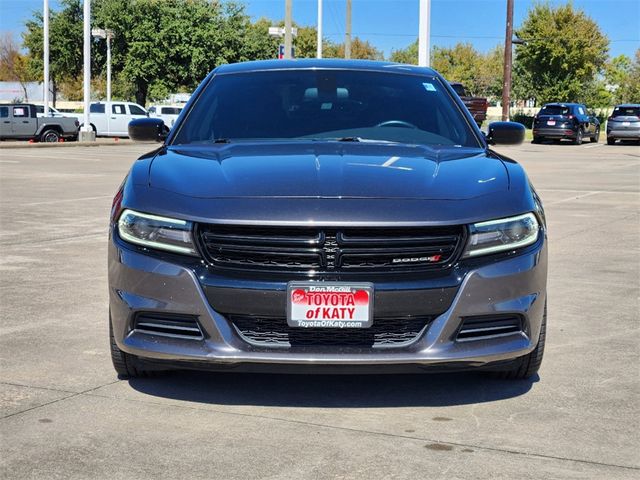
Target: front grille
x,y
275,332
317,250
167,325
475,328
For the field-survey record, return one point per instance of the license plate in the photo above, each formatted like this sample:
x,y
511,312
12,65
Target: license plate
x,y
551,122
329,305
626,124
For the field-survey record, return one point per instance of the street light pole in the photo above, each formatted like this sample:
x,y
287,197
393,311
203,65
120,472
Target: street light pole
x,y
109,34
319,48
86,133
347,34
423,33
508,58
45,28
287,30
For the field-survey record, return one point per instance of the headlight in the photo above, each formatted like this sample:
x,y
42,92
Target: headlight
x,y
502,235
156,232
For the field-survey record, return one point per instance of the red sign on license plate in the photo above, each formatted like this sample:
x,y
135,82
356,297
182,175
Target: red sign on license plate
x,y
329,305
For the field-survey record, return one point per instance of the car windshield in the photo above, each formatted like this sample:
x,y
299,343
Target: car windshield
x,y
327,105
626,112
554,110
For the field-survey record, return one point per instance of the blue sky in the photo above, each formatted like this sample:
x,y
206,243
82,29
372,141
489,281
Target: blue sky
x,y
393,24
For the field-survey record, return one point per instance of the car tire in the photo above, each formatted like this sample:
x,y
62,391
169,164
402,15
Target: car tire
x,y
125,364
579,137
50,136
528,366
596,136
536,140
611,141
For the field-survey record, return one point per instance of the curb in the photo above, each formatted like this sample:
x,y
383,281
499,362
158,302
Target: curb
x,y
25,144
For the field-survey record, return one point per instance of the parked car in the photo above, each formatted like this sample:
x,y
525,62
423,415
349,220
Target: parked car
x,y
19,121
112,119
624,123
326,213
52,111
572,121
477,105
168,113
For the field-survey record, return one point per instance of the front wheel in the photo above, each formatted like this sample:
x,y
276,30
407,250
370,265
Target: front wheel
x,y
611,141
528,366
536,140
579,136
50,136
596,136
125,364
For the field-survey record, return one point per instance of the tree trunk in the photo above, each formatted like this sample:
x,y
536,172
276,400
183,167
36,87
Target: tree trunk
x,y
141,92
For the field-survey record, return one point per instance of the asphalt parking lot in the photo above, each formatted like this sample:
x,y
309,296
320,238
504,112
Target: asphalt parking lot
x,y
66,415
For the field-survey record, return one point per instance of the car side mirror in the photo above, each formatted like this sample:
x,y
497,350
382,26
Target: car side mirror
x,y
505,133
148,130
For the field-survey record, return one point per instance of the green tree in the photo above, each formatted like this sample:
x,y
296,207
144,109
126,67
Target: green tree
x,y
360,49
564,52
407,55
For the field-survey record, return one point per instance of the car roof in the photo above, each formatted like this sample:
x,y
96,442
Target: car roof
x,y
628,105
563,104
325,63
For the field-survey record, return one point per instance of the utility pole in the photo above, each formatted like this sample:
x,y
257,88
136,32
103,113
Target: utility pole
x,y
319,48
287,30
45,28
86,132
423,33
508,58
347,35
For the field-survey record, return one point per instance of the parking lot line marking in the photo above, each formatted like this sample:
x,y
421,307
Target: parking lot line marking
x,y
577,197
33,204
594,145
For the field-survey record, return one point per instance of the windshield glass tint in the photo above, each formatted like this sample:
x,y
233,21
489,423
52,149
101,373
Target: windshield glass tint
x,y
554,110
327,104
626,112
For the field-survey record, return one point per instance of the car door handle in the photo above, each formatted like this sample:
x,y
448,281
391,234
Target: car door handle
x,y
113,118
25,121
7,121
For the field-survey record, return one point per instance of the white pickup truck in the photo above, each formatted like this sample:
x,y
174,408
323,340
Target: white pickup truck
x,y
168,113
112,119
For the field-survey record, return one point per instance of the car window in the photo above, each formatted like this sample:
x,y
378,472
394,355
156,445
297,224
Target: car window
x,y
581,110
96,108
136,110
118,109
554,110
327,104
4,112
152,110
20,112
40,108
626,112
171,111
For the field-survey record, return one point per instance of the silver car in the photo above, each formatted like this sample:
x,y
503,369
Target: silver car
x,y
624,124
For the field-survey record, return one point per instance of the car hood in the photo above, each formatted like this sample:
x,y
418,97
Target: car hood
x,y
327,170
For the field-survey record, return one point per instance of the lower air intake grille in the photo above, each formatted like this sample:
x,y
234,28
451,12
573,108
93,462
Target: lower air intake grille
x,y
475,328
275,332
176,326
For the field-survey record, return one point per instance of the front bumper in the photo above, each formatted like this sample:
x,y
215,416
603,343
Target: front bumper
x,y
142,282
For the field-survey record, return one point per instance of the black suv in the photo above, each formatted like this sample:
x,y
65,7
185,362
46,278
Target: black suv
x,y
570,121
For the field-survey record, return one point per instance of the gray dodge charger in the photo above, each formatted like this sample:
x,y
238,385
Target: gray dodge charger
x,y
326,215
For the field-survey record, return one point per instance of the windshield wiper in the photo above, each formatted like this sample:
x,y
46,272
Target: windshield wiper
x,y
221,140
